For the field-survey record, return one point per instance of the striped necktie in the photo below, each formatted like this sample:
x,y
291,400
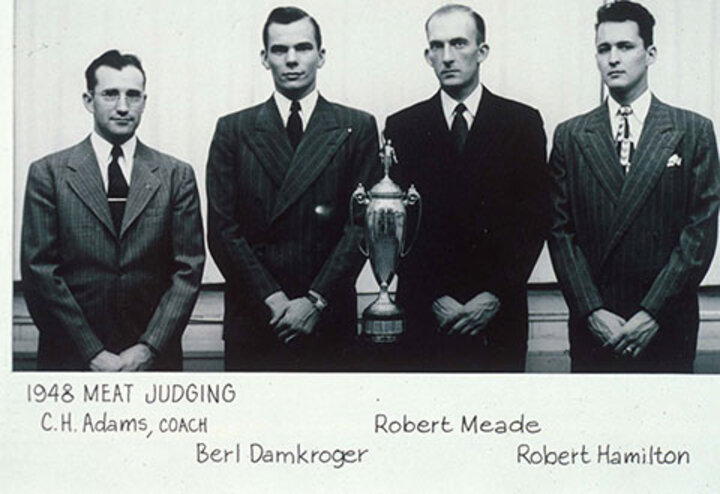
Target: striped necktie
x,y
624,143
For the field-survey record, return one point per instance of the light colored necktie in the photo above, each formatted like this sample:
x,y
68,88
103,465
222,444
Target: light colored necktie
x,y
625,144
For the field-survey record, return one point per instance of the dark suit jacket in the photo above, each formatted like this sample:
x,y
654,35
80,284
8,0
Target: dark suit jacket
x,y
88,288
485,214
278,220
641,241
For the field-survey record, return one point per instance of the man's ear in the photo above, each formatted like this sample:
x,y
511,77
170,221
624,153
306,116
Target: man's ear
x,y
263,59
650,55
88,102
483,52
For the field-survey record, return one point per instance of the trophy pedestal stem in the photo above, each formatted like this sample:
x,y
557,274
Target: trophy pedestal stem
x,y
383,321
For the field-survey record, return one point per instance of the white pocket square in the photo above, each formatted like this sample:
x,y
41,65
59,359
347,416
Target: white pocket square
x,y
674,160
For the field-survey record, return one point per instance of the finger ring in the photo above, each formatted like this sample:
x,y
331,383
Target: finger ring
x,y
628,350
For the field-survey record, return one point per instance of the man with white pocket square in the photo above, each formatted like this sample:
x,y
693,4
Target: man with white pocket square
x,y
635,202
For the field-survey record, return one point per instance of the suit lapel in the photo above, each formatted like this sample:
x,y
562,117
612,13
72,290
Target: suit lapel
x,y
143,185
87,183
657,142
321,140
483,136
270,142
597,141
438,133
485,132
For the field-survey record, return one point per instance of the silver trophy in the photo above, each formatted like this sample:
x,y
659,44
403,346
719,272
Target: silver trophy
x,y
384,243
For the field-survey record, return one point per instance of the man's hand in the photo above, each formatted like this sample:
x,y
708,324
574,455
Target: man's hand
x,y
136,358
278,304
299,319
476,314
447,310
605,325
635,335
106,362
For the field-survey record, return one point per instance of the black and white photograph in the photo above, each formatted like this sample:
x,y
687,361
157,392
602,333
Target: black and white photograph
x,y
362,245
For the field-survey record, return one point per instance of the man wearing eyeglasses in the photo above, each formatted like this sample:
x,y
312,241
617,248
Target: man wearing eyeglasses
x,y
112,241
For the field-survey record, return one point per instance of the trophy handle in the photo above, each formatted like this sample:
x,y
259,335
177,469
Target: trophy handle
x,y
362,197
413,197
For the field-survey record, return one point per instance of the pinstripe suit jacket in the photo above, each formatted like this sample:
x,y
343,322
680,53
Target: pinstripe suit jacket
x,y
278,220
89,288
641,241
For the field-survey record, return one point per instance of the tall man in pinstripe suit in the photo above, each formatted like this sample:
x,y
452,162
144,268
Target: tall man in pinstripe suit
x,y
635,212
279,180
111,270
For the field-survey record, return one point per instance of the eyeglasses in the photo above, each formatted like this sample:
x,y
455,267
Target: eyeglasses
x,y
112,96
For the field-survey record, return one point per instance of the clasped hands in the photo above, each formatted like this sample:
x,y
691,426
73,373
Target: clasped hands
x,y
135,358
291,318
469,319
629,338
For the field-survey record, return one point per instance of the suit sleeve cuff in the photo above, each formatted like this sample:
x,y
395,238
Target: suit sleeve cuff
x,y
589,307
92,353
317,300
150,347
651,309
269,288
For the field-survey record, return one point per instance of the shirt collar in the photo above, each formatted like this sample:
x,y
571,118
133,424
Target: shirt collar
x,y
103,148
640,107
472,102
307,106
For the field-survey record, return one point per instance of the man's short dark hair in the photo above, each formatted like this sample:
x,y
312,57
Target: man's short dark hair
x,y
454,7
624,10
288,15
114,59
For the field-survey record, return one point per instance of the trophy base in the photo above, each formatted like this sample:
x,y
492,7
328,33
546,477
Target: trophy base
x,y
383,323
382,331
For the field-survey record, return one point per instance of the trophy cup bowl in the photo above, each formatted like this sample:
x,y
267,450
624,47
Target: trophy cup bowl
x,y
385,231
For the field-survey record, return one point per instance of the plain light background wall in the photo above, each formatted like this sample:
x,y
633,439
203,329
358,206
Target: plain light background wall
x,y
202,61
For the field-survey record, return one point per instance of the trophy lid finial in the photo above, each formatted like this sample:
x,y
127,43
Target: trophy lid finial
x,y
386,188
388,156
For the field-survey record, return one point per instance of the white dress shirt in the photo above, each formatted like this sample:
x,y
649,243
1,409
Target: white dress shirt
x,y
472,102
636,120
307,106
103,155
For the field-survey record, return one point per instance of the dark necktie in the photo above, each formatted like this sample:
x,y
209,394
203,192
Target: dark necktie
x,y
117,188
459,129
624,143
294,124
